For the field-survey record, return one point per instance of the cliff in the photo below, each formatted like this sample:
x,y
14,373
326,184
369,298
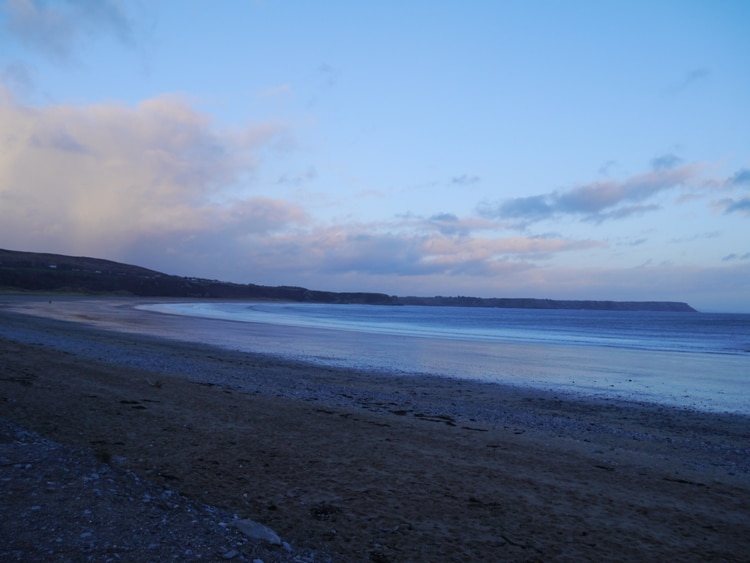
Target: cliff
x,y
528,303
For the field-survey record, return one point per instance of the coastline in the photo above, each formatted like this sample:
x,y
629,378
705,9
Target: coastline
x,y
673,377
377,466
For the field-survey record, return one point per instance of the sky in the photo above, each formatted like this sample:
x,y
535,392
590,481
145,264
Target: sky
x,y
561,150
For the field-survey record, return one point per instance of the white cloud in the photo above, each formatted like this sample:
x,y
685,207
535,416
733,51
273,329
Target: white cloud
x,y
94,179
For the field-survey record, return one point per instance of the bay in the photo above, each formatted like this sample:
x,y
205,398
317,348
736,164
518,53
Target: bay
x,y
693,360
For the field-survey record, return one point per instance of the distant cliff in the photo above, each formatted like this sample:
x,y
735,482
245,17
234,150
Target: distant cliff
x,y
528,303
33,271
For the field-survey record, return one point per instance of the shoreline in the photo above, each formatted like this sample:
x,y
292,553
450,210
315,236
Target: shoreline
x,y
328,347
82,335
407,468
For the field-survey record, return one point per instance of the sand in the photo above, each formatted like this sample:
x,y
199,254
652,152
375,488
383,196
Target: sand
x,y
371,467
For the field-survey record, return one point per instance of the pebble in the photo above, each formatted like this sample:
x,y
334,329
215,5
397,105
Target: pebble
x,y
187,530
257,531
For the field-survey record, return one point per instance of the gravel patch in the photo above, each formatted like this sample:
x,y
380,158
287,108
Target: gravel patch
x,y
63,504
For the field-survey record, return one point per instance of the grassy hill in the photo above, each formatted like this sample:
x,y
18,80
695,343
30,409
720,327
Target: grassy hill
x,y
32,271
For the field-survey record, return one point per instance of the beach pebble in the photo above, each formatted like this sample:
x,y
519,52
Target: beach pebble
x,y
257,531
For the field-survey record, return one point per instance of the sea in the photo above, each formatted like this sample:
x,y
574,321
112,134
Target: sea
x,y
699,361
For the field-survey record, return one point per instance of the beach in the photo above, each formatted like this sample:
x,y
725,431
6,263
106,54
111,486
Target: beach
x,y
358,466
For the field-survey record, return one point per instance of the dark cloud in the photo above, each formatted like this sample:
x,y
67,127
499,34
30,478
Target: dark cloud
x,y
734,256
448,224
263,215
297,179
55,29
58,140
736,205
699,236
531,208
325,77
605,168
597,201
18,77
636,242
621,213
691,78
375,254
107,14
329,75
444,217
741,178
465,180
695,75
665,162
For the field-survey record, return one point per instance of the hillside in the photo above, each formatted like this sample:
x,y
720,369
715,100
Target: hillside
x,y
32,271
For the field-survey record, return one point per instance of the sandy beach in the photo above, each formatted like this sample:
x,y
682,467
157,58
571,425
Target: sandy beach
x,y
372,467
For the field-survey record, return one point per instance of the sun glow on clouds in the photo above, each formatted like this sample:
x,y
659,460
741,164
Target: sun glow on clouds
x,y
160,181
116,178
94,179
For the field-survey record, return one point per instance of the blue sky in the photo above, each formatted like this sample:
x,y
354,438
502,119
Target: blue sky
x,y
583,150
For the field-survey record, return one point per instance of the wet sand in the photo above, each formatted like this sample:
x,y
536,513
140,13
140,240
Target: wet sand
x,y
384,468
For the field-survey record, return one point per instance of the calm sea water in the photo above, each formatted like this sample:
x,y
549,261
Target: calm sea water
x,y
699,360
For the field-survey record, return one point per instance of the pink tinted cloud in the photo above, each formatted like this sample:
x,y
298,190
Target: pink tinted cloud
x,y
93,179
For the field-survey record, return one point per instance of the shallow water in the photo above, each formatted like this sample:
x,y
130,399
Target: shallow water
x,y
697,360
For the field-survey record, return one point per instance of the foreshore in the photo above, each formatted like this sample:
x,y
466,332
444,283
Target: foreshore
x,y
364,466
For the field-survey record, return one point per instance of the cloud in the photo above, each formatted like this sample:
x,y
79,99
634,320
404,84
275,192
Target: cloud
x,y
261,215
465,180
665,162
732,205
699,236
96,179
636,242
727,205
297,179
56,28
690,79
328,75
404,264
18,77
444,217
157,184
606,168
275,91
447,224
597,201
740,178
375,250
58,140
621,213
734,256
